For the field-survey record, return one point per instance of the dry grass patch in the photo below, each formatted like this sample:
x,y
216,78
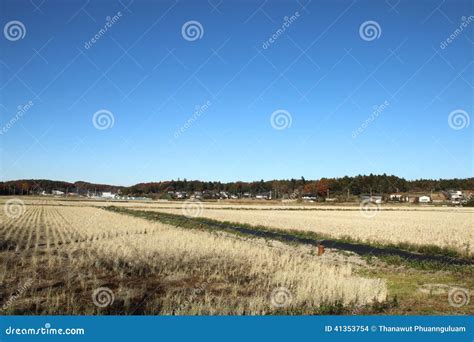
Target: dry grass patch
x,y
444,228
153,268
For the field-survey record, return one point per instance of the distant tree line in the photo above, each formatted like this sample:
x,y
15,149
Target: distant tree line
x,y
37,186
367,184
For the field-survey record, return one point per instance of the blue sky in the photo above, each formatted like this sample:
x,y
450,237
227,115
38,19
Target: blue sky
x,y
320,70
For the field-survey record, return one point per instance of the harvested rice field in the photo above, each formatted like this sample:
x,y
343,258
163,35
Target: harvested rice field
x,y
93,257
451,228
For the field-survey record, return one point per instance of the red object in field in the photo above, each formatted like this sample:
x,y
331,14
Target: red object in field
x,y
320,249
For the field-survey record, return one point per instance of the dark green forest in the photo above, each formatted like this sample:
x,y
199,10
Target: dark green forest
x,y
361,184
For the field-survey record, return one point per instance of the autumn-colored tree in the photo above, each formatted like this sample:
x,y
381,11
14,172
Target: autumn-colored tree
x,y
310,188
24,188
322,187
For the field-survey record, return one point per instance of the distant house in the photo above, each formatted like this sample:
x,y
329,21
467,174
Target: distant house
x,y
424,199
108,195
376,199
455,196
373,198
224,195
309,197
395,197
265,196
455,192
57,192
209,194
197,195
180,194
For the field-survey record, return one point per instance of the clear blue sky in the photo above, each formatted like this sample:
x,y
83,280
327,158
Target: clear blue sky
x,y
319,69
